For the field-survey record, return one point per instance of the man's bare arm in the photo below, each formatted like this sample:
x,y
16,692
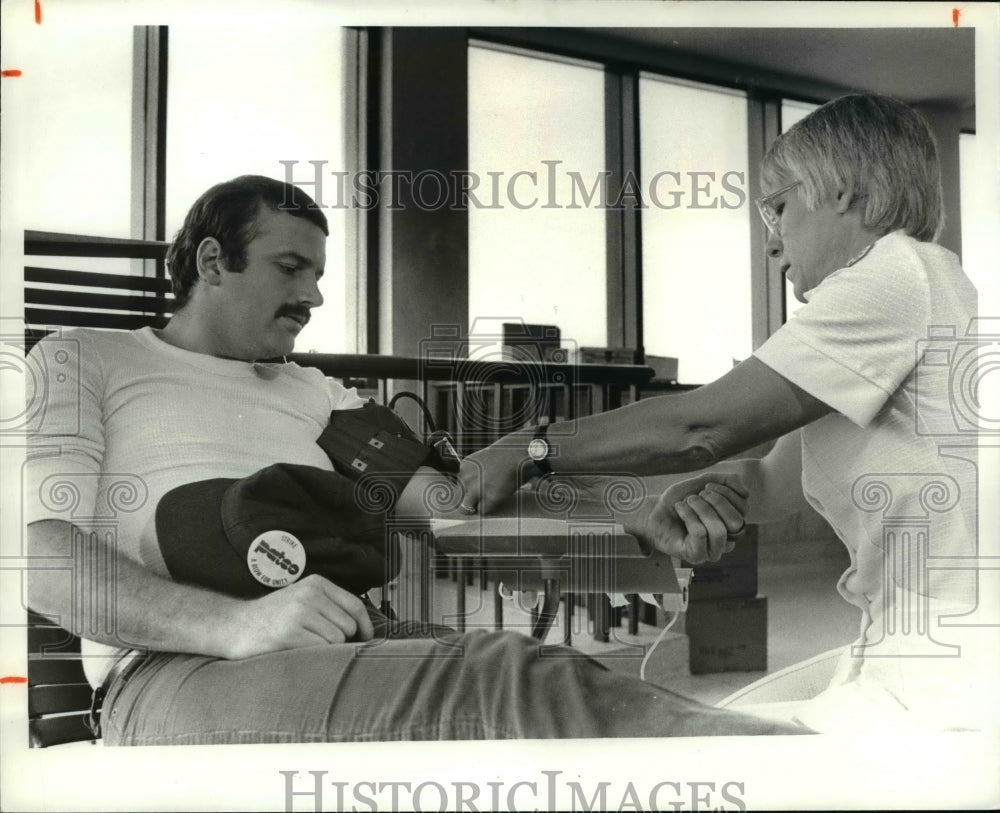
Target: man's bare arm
x,y
104,596
428,493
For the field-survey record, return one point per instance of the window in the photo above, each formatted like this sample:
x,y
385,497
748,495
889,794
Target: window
x,y
536,247
977,229
71,138
695,231
234,108
73,127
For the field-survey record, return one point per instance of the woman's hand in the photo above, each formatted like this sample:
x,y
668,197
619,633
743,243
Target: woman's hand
x,y
695,519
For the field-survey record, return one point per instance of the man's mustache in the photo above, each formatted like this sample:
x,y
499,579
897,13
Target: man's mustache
x,y
299,312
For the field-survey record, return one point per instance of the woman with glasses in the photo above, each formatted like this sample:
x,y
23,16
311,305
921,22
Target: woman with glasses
x,y
859,400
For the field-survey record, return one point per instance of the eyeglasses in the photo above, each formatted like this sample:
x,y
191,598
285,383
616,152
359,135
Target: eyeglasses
x,y
767,211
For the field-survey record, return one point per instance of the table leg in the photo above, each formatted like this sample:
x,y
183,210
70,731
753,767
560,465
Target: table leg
x,y
600,613
460,594
497,608
568,600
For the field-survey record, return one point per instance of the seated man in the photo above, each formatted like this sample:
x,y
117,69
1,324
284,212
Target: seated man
x,y
185,665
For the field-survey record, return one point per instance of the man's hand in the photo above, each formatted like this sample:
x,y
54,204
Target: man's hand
x,y
695,519
309,612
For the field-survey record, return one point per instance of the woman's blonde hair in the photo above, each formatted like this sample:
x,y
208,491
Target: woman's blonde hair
x,y
879,147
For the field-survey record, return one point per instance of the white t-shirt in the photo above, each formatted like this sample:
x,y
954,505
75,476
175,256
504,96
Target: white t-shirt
x,y
888,469
119,419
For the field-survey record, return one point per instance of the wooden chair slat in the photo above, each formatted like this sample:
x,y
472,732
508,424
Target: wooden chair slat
x,y
48,731
54,670
52,639
124,321
91,279
56,244
57,685
39,620
80,299
58,699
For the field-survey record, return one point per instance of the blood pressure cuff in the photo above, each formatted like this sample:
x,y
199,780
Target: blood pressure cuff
x,y
373,442
246,537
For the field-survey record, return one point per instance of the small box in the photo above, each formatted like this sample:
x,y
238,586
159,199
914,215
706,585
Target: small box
x,y
606,355
524,342
727,635
664,367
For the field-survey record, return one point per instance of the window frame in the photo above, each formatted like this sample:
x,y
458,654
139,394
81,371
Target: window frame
x,y
369,127
623,67
150,61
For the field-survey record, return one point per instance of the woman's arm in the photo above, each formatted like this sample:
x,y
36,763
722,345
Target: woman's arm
x,y
695,430
773,482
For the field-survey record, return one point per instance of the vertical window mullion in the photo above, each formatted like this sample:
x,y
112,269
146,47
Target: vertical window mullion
x,y
373,102
624,235
767,286
149,140
614,162
361,221
633,216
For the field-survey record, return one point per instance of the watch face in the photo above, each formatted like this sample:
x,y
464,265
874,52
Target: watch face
x,y
538,449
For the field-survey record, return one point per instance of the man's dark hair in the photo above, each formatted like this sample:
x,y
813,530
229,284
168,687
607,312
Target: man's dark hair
x,y
228,212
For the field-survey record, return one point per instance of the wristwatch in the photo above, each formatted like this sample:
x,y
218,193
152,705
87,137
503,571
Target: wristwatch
x,y
539,449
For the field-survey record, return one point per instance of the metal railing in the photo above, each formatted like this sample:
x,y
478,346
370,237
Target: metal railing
x,y
480,401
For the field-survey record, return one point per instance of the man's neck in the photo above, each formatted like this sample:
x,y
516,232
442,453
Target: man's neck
x,y
185,330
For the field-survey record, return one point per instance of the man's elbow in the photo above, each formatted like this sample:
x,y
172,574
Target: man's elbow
x,y
427,493
46,542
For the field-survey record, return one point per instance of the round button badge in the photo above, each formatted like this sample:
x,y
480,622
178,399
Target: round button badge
x,y
276,558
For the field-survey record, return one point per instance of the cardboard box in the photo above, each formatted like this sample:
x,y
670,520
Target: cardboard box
x,y
733,576
714,582
727,635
